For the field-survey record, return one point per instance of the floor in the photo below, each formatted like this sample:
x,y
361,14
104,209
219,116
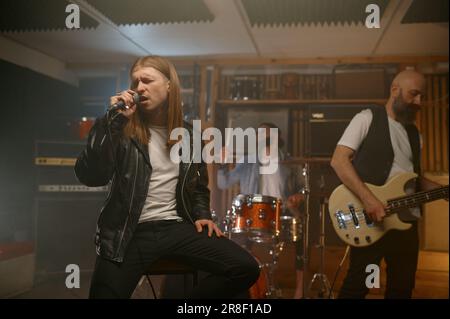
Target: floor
x,y
432,277
432,280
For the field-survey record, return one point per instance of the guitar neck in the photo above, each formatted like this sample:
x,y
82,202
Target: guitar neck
x,y
416,199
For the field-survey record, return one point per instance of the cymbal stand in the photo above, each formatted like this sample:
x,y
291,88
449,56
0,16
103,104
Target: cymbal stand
x,y
319,287
305,191
273,291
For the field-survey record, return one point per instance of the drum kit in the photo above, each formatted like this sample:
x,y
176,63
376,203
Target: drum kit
x,y
259,220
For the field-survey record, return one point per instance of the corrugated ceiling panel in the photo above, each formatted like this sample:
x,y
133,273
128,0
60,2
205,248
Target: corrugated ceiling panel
x,y
427,11
293,12
37,15
153,11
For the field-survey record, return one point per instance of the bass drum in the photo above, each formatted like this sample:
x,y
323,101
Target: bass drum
x,y
260,288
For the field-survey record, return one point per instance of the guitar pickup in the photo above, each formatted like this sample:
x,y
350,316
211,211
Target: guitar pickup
x,y
340,217
369,222
351,208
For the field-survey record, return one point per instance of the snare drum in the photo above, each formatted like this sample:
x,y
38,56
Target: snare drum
x,y
256,215
290,229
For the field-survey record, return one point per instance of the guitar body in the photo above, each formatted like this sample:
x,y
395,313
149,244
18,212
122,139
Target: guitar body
x,y
342,201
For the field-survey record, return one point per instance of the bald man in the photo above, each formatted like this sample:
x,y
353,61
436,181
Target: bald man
x,y
378,144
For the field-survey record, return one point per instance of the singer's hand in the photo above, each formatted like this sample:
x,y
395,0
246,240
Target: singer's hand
x,y
127,97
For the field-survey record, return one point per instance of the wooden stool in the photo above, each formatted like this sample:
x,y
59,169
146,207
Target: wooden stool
x,y
171,267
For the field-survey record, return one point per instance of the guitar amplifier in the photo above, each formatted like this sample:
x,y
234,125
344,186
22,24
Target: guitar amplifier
x,y
55,173
65,211
65,232
325,126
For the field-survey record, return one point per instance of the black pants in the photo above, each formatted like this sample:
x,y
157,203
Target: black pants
x,y
400,249
232,268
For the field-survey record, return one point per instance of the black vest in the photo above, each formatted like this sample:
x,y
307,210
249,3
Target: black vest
x,y
374,158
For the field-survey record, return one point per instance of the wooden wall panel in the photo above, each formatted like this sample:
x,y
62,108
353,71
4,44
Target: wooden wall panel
x,y
437,132
429,128
433,125
444,122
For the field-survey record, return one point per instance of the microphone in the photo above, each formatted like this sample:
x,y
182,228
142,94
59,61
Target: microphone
x,y
122,106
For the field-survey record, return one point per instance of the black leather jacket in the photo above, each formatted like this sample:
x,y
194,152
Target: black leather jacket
x,y
129,172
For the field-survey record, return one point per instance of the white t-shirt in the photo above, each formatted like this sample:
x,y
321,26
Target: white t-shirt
x,y
356,132
272,184
161,198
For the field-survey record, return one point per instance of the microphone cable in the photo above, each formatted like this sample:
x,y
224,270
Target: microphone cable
x,y
347,250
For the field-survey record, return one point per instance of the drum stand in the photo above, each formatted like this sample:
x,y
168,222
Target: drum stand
x,y
319,287
227,222
273,292
305,191
275,249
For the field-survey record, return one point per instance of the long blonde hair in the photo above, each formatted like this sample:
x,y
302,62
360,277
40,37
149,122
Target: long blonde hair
x,y
137,126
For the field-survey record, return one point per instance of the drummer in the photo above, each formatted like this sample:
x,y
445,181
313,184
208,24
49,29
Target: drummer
x,y
247,173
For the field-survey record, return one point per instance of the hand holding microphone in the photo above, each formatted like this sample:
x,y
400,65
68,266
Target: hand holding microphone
x,y
125,102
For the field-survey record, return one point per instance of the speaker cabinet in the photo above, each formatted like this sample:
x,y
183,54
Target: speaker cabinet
x,y
325,126
64,232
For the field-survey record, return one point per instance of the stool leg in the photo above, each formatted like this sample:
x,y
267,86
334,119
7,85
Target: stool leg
x,y
186,282
195,278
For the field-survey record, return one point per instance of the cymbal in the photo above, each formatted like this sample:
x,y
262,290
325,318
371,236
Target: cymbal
x,y
317,193
305,160
298,160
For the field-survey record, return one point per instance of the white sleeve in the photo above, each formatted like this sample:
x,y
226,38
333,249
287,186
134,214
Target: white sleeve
x,y
357,130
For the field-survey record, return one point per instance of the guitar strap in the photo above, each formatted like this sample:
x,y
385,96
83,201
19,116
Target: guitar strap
x,y
414,141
